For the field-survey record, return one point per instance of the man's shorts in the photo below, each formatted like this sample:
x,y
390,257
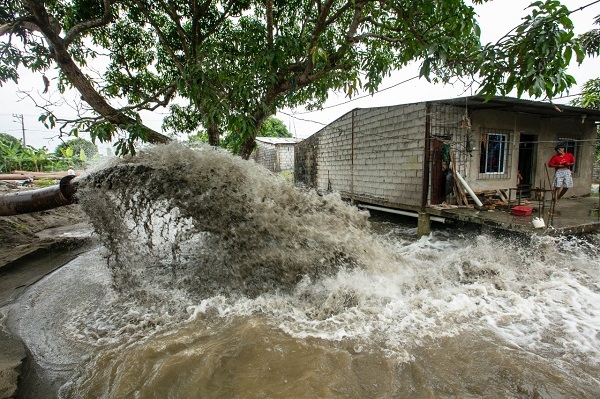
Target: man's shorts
x,y
562,178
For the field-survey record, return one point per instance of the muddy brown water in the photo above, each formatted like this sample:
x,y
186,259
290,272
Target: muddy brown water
x,y
333,306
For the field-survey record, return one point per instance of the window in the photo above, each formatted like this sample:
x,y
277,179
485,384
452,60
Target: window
x,y
571,146
494,152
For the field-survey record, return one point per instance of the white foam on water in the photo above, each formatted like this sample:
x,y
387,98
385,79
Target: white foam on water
x,y
443,286
542,297
546,302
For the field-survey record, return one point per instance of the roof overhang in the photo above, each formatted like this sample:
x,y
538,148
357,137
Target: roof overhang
x,y
509,104
278,140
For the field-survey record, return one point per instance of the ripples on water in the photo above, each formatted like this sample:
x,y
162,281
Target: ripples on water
x,y
297,295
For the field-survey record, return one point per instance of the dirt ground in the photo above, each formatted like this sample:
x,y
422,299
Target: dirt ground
x,y
23,234
32,246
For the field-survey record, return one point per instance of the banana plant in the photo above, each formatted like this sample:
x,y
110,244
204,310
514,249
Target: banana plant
x,y
67,153
35,156
11,154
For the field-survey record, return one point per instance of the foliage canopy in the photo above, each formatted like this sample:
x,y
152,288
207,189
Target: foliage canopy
x,y
590,93
78,144
228,65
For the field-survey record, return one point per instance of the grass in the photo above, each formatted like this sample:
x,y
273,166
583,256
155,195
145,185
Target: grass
x,y
288,176
44,182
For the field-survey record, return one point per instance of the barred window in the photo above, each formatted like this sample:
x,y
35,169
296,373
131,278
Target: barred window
x,y
494,151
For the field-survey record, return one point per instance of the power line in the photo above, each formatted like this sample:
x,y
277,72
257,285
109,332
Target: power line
x,y
304,120
361,97
584,7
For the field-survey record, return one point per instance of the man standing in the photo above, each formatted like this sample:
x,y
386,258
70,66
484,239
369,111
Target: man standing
x,y
562,162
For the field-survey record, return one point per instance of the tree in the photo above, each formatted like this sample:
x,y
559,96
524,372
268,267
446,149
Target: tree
x,y
286,55
591,40
274,127
7,139
590,93
12,155
234,63
78,144
200,137
35,157
37,26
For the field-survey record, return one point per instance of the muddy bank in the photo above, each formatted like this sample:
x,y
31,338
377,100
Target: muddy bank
x,y
38,258
33,245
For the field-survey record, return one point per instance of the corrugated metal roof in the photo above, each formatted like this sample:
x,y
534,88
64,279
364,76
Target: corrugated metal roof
x,y
504,104
279,140
526,106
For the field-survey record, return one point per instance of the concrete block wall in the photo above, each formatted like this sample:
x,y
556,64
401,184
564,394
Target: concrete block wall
x,y
285,157
305,161
266,155
275,157
374,153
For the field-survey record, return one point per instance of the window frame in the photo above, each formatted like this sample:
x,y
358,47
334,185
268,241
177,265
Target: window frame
x,y
501,169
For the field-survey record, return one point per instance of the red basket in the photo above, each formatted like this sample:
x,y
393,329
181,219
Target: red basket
x,y
522,210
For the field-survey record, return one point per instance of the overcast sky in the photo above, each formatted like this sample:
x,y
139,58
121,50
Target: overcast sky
x,y
496,19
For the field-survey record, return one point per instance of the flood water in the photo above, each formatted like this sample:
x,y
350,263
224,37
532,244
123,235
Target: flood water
x,y
197,294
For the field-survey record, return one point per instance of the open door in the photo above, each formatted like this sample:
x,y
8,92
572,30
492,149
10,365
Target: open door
x,y
527,153
438,175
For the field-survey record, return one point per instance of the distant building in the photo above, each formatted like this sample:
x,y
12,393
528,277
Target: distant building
x,y
400,156
275,153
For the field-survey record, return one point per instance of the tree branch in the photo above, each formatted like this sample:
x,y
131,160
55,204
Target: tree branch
x,y
91,24
269,12
172,12
161,36
79,80
168,93
219,20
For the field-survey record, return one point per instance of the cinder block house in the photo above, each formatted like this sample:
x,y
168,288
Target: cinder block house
x,y
400,156
275,153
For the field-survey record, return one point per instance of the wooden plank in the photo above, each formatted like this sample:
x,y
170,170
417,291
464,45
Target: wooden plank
x,y
23,175
10,176
461,197
502,195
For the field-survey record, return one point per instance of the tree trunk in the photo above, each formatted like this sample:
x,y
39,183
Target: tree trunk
x,y
247,147
214,135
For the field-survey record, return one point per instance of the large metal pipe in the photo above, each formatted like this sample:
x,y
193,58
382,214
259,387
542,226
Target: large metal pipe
x,y
38,200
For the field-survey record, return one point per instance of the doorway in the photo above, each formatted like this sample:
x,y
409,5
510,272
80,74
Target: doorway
x,y
527,155
440,163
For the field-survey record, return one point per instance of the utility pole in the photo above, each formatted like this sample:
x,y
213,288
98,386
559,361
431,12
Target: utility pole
x,y
20,117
